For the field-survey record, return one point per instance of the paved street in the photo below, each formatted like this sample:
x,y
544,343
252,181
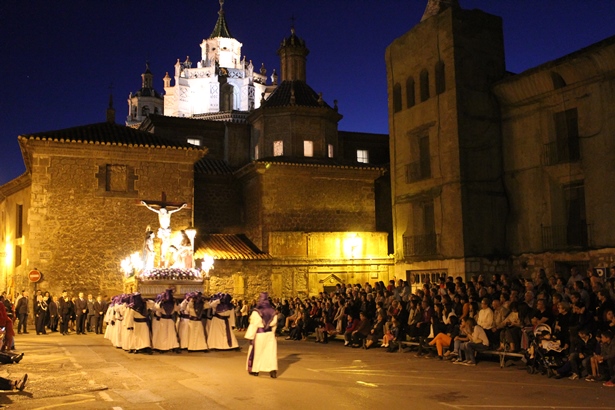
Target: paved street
x,y
87,372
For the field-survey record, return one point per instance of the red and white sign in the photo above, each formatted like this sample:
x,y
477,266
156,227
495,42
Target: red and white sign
x,y
35,276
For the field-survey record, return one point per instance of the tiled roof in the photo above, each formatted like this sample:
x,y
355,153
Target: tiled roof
x,y
228,247
210,166
106,133
304,95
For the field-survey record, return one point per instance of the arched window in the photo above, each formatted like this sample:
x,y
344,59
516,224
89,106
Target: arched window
x,y
440,80
424,85
156,110
410,92
396,98
558,80
145,111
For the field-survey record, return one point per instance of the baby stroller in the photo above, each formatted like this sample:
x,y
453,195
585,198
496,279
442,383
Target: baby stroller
x,y
544,354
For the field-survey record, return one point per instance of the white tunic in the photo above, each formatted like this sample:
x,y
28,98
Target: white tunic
x,y
196,332
137,331
182,325
109,330
164,335
118,317
217,335
263,347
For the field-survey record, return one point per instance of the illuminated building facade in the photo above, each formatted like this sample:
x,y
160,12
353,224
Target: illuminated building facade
x,y
493,171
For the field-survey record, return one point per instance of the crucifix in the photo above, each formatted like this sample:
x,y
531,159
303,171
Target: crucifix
x,y
164,219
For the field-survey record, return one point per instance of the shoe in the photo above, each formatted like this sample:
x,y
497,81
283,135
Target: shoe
x,y
573,376
590,378
254,373
26,333
273,374
18,358
468,363
21,384
458,361
609,384
346,343
430,356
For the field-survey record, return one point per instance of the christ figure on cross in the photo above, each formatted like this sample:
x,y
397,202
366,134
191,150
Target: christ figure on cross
x,y
164,232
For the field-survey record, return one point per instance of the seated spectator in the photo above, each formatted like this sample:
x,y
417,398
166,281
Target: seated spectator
x,y
458,340
376,333
6,384
353,324
324,329
581,355
477,342
359,335
602,364
444,339
391,335
298,330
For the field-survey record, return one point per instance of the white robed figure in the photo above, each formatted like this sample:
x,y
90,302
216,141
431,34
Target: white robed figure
x,y
183,322
196,340
220,334
263,352
110,321
118,318
137,329
164,334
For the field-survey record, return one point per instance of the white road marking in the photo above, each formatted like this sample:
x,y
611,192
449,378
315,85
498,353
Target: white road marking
x,y
105,396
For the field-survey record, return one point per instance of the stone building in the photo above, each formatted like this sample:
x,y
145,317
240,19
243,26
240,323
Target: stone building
x,y
280,198
493,171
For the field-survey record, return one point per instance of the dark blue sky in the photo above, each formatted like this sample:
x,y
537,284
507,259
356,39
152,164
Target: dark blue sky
x,y
58,58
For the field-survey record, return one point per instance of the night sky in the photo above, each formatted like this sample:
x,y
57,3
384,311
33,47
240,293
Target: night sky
x,y
59,58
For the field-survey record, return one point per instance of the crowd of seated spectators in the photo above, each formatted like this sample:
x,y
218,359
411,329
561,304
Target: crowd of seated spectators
x,y
457,320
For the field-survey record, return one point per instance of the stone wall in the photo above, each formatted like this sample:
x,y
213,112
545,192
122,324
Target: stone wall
x,y
218,204
82,233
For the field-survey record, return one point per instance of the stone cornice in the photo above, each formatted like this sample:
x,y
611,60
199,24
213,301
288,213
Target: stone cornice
x,y
15,185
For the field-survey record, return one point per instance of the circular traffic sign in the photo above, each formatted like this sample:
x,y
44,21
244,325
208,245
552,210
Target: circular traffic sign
x,y
34,275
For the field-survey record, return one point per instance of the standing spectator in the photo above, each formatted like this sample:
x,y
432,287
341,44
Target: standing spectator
x,y
7,324
8,306
64,312
40,312
81,311
91,315
99,314
239,315
47,299
22,312
53,314
71,313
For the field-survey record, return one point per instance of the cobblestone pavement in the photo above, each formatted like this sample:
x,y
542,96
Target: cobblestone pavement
x,y
86,372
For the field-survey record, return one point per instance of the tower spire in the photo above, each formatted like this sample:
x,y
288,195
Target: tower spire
x,y
435,7
221,29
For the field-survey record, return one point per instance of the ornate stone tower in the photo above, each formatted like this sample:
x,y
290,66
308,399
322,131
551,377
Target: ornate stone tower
x,y
449,202
145,101
294,121
221,85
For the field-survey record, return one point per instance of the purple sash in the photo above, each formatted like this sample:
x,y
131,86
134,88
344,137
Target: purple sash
x,y
228,329
251,357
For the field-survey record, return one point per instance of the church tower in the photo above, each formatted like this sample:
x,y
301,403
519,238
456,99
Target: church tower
x,y
294,121
449,202
222,85
145,101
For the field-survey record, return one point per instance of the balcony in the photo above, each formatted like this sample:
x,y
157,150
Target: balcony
x,y
565,237
420,245
561,151
416,171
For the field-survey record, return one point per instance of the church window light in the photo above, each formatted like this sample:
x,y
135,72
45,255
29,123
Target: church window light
x,y
330,150
440,80
194,141
278,148
424,85
308,148
396,98
410,92
363,156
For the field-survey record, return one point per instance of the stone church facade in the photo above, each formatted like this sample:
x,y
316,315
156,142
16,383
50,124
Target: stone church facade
x,y
280,198
493,171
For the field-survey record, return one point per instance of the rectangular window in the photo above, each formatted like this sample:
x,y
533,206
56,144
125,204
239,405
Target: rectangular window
x,y
308,148
576,220
567,135
330,150
363,156
256,152
424,157
194,141
17,255
19,221
278,148
117,178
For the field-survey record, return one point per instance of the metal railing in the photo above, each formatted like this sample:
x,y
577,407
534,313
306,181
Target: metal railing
x,y
561,237
420,245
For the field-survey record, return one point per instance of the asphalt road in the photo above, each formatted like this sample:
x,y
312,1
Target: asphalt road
x,y
86,372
